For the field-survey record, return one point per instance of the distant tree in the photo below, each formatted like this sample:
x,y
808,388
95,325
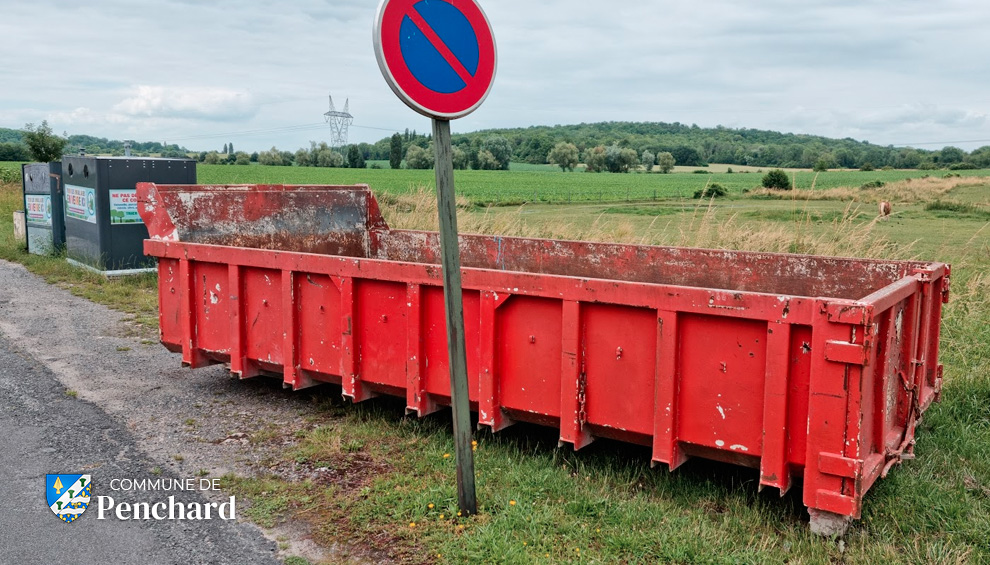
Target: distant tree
x,y
648,159
666,162
302,158
202,156
777,180
866,167
500,149
395,152
272,157
355,159
824,162
487,161
42,143
230,148
564,155
212,158
225,151
254,157
242,158
14,152
845,158
326,157
950,155
419,158
981,157
595,160
460,157
686,156
620,160
908,158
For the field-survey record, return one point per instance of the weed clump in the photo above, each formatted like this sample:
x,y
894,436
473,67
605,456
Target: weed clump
x,y
777,179
714,190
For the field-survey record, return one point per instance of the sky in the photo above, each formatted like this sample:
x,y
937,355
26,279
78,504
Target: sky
x,y
258,73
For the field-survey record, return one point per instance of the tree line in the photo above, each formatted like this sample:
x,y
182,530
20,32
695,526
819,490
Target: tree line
x,y
606,146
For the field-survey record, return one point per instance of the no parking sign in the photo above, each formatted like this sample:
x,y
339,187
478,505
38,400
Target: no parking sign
x,y
438,56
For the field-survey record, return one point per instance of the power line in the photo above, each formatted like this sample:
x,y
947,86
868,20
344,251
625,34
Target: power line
x,y
253,132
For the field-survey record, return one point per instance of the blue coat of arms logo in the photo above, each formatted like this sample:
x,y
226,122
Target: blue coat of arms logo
x,y
68,495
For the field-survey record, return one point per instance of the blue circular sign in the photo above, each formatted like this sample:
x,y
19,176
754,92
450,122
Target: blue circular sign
x,y
438,56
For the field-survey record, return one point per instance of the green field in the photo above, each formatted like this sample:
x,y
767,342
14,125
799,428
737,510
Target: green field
x,y
546,185
605,504
543,183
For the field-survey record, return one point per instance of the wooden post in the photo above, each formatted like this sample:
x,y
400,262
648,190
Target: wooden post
x,y
456,350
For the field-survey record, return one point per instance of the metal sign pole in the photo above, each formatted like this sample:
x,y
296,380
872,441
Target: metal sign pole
x,y
456,350
443,90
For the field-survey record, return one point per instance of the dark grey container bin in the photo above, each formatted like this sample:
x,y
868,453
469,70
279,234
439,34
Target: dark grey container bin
x,y
43,207
103,231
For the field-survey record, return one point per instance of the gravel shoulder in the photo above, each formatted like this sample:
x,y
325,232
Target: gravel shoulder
x,y
180,422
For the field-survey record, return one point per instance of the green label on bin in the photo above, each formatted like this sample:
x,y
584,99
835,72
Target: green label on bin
x,y
124,207
80,203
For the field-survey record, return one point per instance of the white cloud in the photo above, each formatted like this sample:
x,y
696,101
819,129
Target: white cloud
x,y
890,72
203,103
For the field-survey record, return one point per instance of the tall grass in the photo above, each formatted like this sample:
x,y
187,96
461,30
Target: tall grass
x,y
906,191
851,234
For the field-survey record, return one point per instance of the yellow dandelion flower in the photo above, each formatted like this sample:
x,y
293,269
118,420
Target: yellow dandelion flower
x,y
430,506
474,443
412,524
441,516
446,455
458,512
512,503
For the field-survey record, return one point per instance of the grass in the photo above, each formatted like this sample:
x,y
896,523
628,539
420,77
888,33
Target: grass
x,y
542,183
366,479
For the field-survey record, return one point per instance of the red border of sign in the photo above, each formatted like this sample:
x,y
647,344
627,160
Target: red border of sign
x,y
411,91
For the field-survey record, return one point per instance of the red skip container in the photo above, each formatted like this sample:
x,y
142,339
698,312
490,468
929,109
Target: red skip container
x,y
799,366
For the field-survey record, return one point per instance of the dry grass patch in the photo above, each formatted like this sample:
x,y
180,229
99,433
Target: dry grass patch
x,y
851,234
904,191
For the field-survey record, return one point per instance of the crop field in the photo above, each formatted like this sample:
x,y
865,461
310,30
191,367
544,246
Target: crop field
x,y
605,504
534,185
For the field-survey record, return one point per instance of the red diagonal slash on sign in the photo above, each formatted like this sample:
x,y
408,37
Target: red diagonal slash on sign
x,y
440,46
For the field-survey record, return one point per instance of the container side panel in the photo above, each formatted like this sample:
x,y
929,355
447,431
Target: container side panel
x,y
723,372
318,312
211,301
528,335
262,307
168,303
433,331
800,354
886,388
620,366
380,323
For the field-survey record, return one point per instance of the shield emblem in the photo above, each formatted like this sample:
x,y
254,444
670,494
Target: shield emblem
x,y
68,495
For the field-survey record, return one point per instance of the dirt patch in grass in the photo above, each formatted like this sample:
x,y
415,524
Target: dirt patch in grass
x,y
348,472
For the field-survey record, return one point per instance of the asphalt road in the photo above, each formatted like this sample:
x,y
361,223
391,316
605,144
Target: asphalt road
x,y
45,430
